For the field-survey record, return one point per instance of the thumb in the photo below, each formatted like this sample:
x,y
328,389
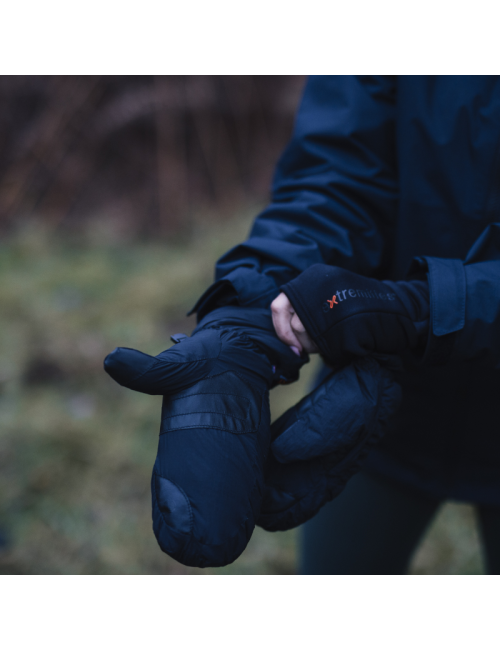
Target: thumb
x,y
127,367
177,368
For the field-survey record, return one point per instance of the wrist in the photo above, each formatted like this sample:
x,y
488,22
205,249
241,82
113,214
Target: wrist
x,y
348,315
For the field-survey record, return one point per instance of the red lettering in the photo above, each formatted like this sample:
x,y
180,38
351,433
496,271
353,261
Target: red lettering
x,y
333,301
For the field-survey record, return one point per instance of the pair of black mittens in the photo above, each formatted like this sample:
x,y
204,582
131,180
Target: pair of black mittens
x,y
214,476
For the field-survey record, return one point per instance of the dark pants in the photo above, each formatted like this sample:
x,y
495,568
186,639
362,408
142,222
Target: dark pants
x,y
374,527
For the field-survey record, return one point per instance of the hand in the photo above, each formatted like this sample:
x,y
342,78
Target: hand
x,y
289,328
350,316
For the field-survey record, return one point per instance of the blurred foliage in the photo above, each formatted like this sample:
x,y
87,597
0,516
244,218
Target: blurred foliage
x,y
76,449
142,152
451,545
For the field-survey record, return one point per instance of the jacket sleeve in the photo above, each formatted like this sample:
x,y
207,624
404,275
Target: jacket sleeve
x,y
334,195
465,303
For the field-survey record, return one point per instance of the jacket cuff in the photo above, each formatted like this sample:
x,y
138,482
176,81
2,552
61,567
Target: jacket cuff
x,y
447,305
243,287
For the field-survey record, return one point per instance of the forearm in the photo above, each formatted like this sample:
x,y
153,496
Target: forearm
x,y
334,195
449,311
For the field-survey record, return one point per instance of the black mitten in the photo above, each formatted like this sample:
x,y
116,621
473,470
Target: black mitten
x,y
207,482
322,441
349,316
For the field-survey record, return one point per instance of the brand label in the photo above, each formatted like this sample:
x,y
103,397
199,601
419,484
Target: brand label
x,y
340,296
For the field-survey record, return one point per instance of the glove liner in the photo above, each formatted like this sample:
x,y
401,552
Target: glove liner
x,y
350,316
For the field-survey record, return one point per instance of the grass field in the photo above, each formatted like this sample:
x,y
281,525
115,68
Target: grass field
x,y
76,450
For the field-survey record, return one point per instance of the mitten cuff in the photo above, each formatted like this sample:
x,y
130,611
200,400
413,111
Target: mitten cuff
x,y
257,325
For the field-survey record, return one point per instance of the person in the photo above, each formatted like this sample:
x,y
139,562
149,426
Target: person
x,y
390,186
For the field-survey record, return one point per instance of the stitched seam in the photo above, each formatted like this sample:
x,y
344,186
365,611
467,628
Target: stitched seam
x,y
253,463
353,454
178,415
208,426
195,394
177,363
201,358
303,418
250,383
246,381
155,360
322,487
193,536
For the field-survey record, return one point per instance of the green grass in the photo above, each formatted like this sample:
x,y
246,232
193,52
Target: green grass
x,y
76,450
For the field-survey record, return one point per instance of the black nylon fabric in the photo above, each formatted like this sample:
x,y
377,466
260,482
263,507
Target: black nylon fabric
x,y
208,477
380,171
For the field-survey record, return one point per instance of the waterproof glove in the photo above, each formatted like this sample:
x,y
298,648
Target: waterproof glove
x,y
207,482
321,442
348,315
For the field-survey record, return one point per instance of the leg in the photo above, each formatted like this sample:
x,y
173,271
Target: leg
x,y
372,528
489,524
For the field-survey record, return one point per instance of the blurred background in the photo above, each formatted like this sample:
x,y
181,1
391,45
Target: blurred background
x,y
117,195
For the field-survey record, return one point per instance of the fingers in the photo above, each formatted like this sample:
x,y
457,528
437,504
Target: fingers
x,y
289,327
300,332
282,313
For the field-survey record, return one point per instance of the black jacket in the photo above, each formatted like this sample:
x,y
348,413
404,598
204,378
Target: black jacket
x,y
383,174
